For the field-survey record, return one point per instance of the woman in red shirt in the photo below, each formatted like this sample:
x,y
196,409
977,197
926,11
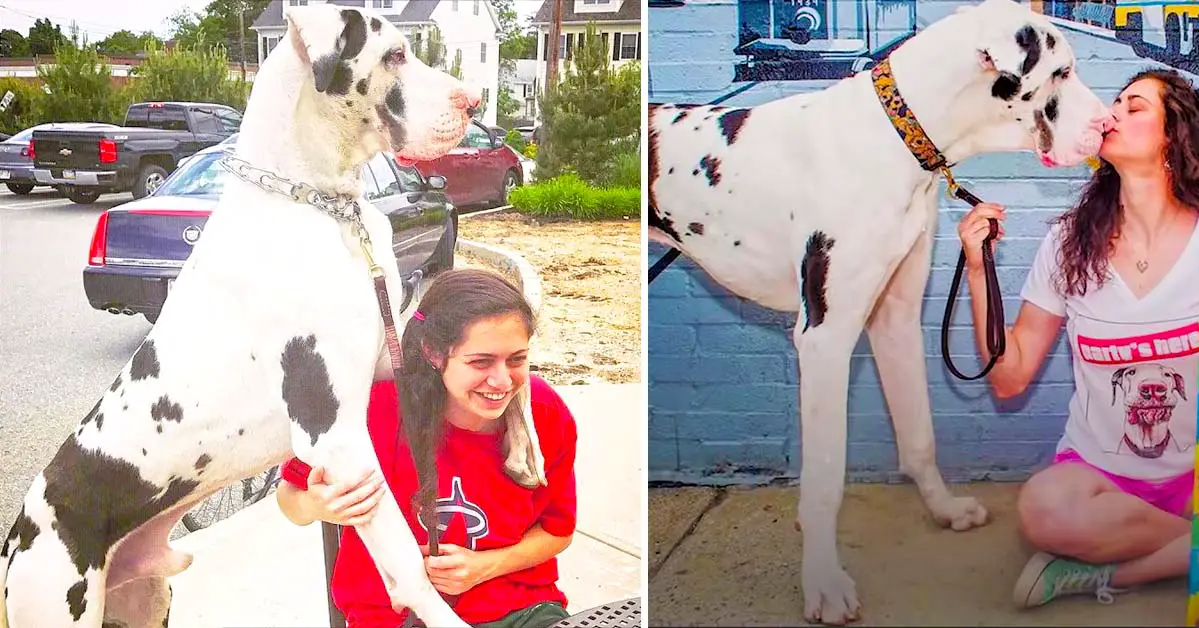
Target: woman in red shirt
x,y
466,353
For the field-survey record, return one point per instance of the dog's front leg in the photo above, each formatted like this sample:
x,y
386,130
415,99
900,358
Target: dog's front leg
x,y
328,425
896,341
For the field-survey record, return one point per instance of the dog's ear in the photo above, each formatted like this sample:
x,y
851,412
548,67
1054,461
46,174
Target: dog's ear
x,y
1013,56
1180,385
325,36
1118,379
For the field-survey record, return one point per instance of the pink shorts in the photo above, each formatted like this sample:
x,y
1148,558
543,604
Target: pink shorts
x,y
1171,495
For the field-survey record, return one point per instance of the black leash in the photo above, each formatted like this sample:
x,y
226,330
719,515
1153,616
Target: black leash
x,y
996,330
662,263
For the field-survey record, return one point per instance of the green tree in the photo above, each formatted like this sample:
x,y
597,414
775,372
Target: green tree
x,y
80,87
45,36
13,44
125,42
187,74
591,117
195,30
430,49
223,24
24,110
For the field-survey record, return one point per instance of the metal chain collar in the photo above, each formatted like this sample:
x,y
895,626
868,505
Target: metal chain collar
x,y
339,207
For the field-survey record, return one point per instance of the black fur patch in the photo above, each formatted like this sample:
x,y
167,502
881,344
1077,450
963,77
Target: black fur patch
x,y
731,123
695,228
307,390
1050,41
711,167
202,462
395,101
116,383
1044,133
165,409
330,72
23,532
736,242
75,599
91,521
656,219
814,274
91,415
376,25
1051,110
145,362
1028,41
363,86
1006,86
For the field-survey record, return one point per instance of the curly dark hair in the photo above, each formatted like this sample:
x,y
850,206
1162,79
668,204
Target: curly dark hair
x,y
1089,229
455,300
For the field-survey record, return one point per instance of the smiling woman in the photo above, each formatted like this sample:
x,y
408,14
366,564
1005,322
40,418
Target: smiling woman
x,y
466,362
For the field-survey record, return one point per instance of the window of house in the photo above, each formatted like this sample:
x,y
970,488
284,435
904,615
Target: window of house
x,y
269,43
476,9
381,4
628,45
483,102
298,3
483,52
454,5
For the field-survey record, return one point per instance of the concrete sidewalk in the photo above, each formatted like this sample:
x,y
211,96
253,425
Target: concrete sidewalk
x,y
258,569
731,557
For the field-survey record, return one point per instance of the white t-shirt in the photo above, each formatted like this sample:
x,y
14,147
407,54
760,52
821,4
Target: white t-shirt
x,y
1136,366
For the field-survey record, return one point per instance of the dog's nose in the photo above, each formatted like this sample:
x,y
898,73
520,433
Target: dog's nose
x,y
468,99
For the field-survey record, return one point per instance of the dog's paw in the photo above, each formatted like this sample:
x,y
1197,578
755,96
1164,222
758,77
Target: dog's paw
x,y
830,595
960,513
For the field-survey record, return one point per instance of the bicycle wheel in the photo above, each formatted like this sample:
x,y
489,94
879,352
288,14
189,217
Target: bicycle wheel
x,y
227,501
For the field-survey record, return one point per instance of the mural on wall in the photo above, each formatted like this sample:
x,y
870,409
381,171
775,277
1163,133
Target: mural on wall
x,y
798,40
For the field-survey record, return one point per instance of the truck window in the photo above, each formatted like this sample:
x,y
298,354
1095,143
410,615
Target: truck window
x,y
229,119
137,116
205,121
168,118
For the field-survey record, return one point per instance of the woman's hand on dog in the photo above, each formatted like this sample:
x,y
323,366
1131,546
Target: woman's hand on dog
x,y
347,503
974,228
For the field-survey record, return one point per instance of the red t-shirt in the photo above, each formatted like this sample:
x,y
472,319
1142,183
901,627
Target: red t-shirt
x,y
484,509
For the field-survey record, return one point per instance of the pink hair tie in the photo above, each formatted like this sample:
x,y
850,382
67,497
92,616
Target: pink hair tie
x,y
418,315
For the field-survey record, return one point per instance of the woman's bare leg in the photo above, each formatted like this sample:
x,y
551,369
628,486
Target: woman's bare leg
x,y
1093,537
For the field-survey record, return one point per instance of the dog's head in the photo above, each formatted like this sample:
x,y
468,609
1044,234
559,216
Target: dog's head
x,y
1029,67
365,77
1149,385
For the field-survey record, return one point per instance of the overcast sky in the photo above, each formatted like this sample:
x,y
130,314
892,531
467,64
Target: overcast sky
x,y
100,18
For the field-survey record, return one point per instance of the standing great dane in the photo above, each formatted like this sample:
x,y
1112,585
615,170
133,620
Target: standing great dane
x,y
814,204
266,348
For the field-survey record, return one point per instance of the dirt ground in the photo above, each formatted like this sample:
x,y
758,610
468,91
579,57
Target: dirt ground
x,y
590,325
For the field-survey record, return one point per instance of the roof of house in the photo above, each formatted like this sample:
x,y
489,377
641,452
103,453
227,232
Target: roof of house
x,y
630,11
415,11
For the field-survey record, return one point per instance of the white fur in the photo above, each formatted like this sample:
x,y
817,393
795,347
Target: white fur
x,y
267,270
794,169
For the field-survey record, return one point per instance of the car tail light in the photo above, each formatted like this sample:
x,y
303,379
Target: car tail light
x,y
108,151
95,256
32,155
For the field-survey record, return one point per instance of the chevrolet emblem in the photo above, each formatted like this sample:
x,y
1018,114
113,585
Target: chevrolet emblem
x,y
64,152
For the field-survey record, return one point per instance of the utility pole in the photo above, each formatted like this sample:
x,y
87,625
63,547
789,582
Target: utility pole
x,y
551,51
241,36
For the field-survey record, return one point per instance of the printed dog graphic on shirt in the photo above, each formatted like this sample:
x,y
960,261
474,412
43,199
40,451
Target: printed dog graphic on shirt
x,y
1151,391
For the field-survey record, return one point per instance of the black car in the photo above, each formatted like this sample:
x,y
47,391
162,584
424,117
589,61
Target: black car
x,y
138,248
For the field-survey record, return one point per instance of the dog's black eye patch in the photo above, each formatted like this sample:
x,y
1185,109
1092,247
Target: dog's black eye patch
x,y
1028,41
1006,86
1061,73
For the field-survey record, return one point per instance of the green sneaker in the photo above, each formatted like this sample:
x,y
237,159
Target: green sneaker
x,y
1046,577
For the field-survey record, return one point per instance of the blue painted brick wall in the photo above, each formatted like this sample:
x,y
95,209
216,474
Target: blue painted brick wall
x,y
723,373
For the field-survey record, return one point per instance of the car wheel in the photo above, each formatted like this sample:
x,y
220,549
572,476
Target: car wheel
x,y
148,179
82,196
511,181
20,188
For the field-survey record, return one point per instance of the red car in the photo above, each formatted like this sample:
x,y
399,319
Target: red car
x,y
481,170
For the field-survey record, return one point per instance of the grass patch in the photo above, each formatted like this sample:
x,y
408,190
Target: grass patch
x,y
568,196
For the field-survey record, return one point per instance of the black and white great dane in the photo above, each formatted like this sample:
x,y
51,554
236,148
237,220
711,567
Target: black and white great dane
x,y
266,348
814,204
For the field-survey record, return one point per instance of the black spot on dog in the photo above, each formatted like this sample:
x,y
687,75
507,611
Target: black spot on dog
x,y
719,108
695,228
165,409
1050,41
376,25
252,358
91,415
711,167
307,390
1006,86
90,521
75,599
145,362
241,432
22,533
1051,110
116,383
1026,97
671,171
362,86
736,242
1028,41
143,451
681,115
697,127
1060,73
792,215
731,123
347,103
160,428
366,120
1044,133
202,462
814,273
395,101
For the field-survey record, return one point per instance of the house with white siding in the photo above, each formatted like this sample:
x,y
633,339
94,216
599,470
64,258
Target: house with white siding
x,y
468,26
618,22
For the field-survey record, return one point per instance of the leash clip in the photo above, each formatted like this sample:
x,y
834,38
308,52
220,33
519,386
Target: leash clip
x,y
364,241
951,184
